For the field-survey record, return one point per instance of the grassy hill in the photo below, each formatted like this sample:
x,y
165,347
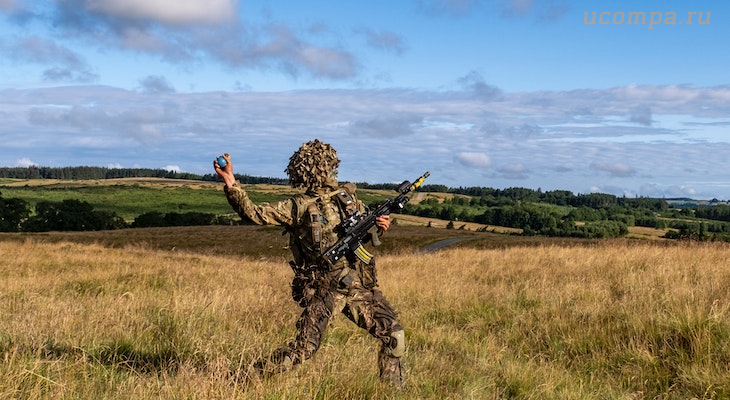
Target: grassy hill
x,y
131,197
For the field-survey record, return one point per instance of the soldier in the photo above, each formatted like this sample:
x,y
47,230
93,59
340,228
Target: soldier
x,y
348,287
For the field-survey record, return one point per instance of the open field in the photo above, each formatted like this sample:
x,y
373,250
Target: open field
x,y
140,314
130,197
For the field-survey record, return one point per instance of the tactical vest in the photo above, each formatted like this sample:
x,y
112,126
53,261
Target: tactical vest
x,y
316,222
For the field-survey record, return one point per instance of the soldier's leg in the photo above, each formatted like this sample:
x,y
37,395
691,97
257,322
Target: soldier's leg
x,y
310,326
371,311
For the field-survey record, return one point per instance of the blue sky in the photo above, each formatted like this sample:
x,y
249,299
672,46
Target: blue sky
x,y
552,94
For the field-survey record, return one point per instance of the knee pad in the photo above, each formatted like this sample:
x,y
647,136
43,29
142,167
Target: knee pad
x,y
398,348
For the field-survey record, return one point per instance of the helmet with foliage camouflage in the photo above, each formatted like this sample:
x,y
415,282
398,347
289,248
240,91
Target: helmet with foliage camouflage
x,y
314,165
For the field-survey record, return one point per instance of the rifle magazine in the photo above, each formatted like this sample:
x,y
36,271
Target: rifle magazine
x,y
362,254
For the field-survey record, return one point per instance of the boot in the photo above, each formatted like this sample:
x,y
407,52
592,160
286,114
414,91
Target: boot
x,y
391,370
280,361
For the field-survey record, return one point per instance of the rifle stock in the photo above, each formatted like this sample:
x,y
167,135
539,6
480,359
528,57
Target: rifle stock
x,y
358,227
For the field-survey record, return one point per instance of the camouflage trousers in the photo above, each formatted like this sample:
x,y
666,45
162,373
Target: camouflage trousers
x,y
367,308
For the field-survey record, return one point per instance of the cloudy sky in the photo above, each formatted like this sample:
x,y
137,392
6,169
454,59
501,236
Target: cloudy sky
x,y
622,97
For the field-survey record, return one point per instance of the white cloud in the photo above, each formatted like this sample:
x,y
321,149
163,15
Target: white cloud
x,y
8,4
61,63
383,40
184,33
25,162
525,139
323,61
475,83
514,171
168,11
474,160
385,125
680,191
641,115
614,169
156,84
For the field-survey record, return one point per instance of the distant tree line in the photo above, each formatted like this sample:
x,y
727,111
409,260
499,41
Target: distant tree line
x,y
67,215
88,173
550,213
158,219
85,173
486,195
534,219
76,215
562,213
248,179
719,212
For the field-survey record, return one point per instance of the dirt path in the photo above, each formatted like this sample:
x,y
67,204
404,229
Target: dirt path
x,y
443,243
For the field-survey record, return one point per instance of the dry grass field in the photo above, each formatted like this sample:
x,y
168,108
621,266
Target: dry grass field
x,y
623,319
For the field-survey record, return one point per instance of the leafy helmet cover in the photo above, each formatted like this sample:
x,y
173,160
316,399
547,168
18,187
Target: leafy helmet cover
x,y
314,165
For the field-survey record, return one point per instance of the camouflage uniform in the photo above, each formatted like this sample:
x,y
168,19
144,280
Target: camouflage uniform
x,y
348,287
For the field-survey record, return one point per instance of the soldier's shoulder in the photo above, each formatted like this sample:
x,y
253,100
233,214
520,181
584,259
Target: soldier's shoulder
x,y
350,187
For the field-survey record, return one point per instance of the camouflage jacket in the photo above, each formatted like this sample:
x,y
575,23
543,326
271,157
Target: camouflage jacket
x,y
311,219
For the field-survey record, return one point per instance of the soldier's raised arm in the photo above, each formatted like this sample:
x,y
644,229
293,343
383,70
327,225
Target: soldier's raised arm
x,y
264,214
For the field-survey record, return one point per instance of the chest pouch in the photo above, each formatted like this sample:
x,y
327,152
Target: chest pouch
x,y
346,201
315,224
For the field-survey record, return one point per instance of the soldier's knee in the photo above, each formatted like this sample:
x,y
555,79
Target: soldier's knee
x,y
397,344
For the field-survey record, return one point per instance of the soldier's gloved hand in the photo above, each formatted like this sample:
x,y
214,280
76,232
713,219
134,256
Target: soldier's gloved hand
x,y
383,222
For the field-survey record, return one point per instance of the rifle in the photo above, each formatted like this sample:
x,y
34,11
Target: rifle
x,y
358,227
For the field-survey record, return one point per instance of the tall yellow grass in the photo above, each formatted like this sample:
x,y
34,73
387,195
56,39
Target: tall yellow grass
x,y
614,320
